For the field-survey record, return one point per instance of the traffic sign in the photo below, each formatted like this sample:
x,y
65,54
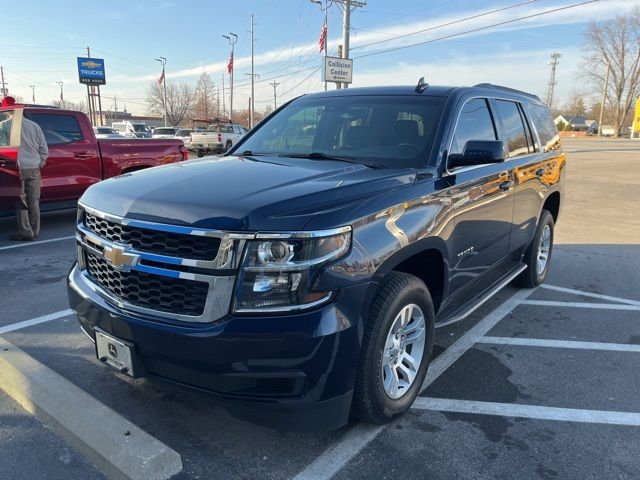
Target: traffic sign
x,y
339,70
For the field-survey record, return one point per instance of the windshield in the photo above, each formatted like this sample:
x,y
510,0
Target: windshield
x,y
164,131
105,130
183,133
383,131
140,128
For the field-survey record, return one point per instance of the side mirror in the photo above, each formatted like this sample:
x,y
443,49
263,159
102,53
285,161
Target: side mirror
x,y
478,152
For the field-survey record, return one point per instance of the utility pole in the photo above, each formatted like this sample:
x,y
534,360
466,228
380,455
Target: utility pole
x,y
230,68
218,100
60,82
552,80
326,29
33,93
604,99
347,5
253,75
163,62
4,91
274,84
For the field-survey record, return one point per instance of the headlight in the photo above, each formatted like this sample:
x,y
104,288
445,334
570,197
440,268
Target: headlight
x,y
278,270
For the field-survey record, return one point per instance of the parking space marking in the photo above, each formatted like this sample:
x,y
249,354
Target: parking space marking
x,y
589,294
35,321
36,242
527,411
339,454
604,306
540,342
117,446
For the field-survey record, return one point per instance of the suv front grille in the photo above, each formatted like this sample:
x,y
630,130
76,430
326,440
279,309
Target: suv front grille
x,y
155,292
154,241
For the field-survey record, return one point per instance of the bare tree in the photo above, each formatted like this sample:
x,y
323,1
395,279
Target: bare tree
x,y
180,99
576,106
80,106
206,99
615,42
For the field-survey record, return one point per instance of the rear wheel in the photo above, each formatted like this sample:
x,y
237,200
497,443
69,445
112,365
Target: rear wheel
x,y
538,255
396,349
199,153
228,145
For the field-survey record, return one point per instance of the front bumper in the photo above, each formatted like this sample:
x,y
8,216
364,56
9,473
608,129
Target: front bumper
x,y
292,371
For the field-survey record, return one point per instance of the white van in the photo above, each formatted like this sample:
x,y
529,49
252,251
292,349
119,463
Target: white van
x,y
132,129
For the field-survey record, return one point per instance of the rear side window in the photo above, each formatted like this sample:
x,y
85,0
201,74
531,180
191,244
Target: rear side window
x,y
547,131
474,123
513,134
57,129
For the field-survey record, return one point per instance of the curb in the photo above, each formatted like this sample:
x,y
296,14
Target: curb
x,y
116,446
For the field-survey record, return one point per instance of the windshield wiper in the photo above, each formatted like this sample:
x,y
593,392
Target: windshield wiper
x,y
324,156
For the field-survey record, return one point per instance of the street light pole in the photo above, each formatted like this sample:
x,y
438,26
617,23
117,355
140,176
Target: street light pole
x,y
274,84
326,26
232,42
163,62
33,93
60,82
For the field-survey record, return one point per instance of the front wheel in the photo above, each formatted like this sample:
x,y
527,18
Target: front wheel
x,y
396,349
228,145
538,255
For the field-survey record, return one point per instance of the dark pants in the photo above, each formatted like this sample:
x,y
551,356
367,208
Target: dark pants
x,y
29,203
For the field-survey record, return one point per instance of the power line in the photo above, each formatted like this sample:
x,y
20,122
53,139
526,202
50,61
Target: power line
x,y
448,24
486,27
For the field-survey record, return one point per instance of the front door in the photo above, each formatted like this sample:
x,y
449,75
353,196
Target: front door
x,y
482,197
9,144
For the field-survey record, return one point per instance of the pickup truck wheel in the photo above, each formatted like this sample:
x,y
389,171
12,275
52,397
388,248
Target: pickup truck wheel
x,y
228,145
199,153
396,348
538,255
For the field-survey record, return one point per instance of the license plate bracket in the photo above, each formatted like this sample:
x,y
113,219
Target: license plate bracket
x,y
115,352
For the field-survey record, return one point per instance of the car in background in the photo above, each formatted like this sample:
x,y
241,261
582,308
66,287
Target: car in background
x,y
106,132
184,134
132,129
218,139
165,132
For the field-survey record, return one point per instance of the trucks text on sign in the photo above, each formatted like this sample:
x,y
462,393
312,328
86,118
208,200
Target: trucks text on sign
x,y
91,71
339,70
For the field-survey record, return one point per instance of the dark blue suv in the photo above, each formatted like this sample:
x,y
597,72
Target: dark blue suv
x,y
299,277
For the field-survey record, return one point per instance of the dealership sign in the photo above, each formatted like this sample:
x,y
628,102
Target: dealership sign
x,y
91,71
339,70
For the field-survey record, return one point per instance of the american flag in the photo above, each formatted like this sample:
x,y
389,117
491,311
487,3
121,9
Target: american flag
x,y
323,38
161,79
230,63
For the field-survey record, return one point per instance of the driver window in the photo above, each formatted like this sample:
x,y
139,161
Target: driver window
x,y
474,123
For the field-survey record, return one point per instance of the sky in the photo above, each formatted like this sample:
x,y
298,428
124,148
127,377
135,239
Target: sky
x,y
40,44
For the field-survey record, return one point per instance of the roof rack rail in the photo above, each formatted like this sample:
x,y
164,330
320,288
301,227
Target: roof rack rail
x,y
506,89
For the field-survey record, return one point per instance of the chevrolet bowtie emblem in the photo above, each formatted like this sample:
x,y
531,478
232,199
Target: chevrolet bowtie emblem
x,y
120,258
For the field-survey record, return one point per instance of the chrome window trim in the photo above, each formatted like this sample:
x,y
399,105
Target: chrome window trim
x,y
302,234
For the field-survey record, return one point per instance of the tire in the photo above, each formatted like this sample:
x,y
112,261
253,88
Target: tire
x,y
534,275
199,153
371,402
228,145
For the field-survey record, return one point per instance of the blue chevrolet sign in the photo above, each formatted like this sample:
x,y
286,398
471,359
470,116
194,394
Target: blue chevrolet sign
x,y
91,71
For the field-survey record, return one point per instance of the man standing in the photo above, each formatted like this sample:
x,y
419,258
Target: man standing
x,y
32,155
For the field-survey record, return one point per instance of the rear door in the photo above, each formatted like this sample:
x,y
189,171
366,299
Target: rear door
x,y
482,197
9,144
74,162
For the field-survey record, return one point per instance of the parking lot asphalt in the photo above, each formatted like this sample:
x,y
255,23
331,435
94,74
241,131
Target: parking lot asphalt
x,y
535,384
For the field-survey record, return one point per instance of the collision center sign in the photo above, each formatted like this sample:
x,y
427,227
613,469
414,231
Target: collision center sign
x,y
338,70
91,71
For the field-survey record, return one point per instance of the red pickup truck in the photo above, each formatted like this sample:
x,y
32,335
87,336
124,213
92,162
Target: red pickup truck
x,y
77,159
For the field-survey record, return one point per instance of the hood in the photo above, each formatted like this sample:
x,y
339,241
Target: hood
x,y
242,193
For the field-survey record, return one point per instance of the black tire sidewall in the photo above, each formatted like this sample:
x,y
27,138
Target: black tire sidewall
x,y
416,293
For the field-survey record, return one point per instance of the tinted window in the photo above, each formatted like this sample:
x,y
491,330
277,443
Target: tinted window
x,y
140,128
6,122
183,133
377,130
474,123
513,133
164,131
58,129
547,131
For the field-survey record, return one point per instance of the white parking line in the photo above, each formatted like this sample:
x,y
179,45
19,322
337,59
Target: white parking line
x,y
590,294
341,452
540,342
528,411
36,242
604,306
35,321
